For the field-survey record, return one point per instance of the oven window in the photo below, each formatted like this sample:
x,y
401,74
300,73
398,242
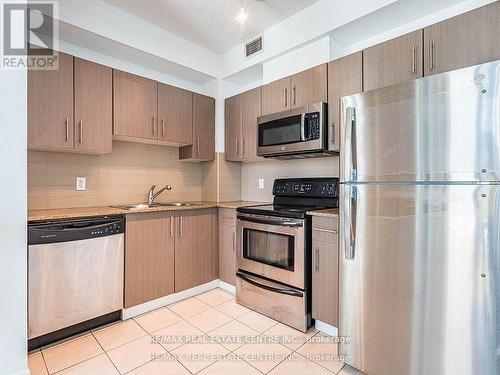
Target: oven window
x,y
279,132
269,248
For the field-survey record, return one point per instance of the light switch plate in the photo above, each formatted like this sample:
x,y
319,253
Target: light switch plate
x,y
261,183
81,183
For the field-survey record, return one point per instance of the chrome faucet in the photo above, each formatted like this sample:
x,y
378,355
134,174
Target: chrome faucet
x,y
152,195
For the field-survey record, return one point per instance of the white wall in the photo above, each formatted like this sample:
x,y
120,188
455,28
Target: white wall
x,y
13,248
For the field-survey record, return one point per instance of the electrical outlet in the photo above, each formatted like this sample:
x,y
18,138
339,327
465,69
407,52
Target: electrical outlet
x,y
261,184
81,183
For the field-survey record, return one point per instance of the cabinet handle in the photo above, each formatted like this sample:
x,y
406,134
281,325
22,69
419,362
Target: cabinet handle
x,y
242,146
294,96
414,60
198,146
286,97
81,132
162,127
316,265
431,54
153,124
67,129
237,147
181,229
325,230
333,132
234,241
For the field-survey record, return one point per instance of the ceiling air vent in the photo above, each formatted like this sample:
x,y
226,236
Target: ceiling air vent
x,y
253,47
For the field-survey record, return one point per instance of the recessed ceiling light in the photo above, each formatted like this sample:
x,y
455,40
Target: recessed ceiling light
x,y
242,16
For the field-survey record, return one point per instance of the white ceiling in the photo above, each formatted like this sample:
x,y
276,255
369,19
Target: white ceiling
x,y
212,23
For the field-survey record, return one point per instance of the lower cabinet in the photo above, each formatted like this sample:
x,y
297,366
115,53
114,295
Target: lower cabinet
x,y
325,270
167,252
194,240
227,245
149,257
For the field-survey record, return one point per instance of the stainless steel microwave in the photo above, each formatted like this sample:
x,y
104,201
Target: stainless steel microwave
x,y
296,133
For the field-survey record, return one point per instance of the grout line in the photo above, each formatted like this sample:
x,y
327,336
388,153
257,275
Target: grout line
x,y
105,352
44,363
77,363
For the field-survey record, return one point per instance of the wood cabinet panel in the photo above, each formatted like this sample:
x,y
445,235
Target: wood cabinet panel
x,y
134,106
468,39
345,77
193,248
50,106
394,61
276,96
232,123
93,106
309,86
251,108
227,245
204,126
325,272
175,114
149,257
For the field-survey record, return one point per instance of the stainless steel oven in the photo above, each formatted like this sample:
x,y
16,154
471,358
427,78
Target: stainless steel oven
x,y
272,247
297,132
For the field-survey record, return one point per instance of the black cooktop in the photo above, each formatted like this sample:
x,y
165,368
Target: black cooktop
x,y
294,197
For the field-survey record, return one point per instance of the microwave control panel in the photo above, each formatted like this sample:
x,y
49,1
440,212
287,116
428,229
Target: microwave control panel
x,y
313,126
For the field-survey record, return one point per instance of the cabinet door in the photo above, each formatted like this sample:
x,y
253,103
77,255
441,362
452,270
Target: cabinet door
x,y
227,245
134,106
469,39
309,86
193,248
50,106
276,96
394,61
251,108
149,257
232,124
93,106
325,279
345,77
175,114
203,127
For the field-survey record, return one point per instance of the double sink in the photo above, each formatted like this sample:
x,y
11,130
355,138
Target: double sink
x,y
144,206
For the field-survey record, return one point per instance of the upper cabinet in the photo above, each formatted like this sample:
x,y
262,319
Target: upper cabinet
x,y
397,60
309,86
93,106
202,142
134,106
175,114
345,77
469,39
50,106
276,96
70,109
241,112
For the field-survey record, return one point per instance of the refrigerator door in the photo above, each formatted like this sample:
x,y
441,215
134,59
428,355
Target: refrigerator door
x,y
445,127
420,279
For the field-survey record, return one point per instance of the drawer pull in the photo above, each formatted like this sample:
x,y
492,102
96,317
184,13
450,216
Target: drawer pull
x,y
325,230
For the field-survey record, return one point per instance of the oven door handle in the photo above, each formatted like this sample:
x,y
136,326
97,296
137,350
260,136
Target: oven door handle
x,y
289,292
271,222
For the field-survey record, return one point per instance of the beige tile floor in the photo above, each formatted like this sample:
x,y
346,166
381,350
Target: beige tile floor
x,y
206,334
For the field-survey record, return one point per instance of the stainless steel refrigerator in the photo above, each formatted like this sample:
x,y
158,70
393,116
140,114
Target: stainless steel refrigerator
x,y
420,226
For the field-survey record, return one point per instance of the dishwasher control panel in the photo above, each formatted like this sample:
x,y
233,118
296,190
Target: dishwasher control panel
x,y
74,230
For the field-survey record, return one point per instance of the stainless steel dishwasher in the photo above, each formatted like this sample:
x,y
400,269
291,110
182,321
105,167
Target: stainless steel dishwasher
x,y
75,275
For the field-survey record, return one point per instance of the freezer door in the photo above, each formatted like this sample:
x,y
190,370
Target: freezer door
x,y
420,279
445,127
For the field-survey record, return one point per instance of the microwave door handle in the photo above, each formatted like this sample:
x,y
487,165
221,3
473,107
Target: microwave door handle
x,y
303,127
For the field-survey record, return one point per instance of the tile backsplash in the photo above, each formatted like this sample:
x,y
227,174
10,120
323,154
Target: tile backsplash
x,y
122,177
270,170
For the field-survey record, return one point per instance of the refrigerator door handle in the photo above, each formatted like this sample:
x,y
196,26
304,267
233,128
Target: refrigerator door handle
x,y
351,160
350,245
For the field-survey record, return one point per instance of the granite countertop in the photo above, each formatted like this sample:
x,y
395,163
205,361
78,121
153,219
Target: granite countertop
x,y
85,212
331,212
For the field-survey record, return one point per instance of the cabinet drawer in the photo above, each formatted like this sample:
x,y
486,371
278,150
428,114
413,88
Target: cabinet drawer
x,y
227,216
325,229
